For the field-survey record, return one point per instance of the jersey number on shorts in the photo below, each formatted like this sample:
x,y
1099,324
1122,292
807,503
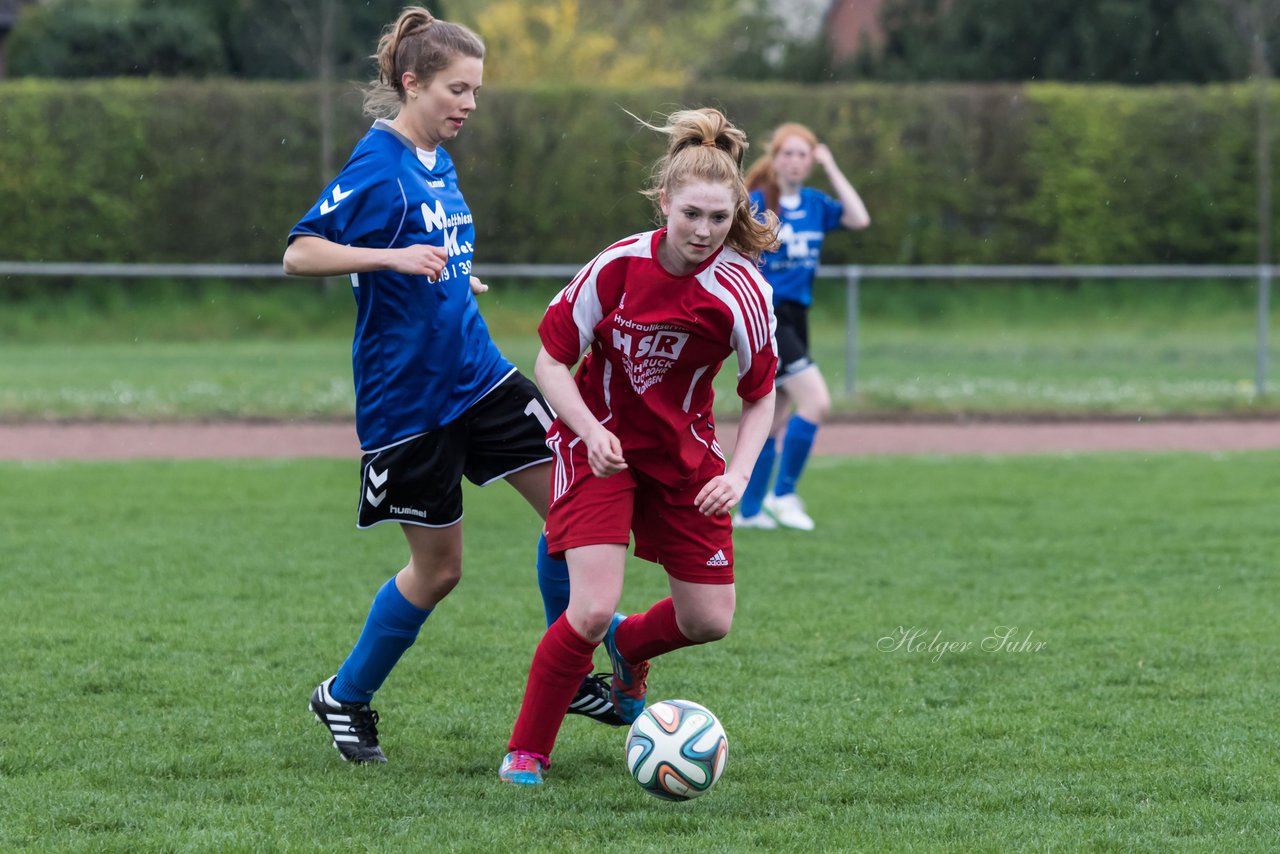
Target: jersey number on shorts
x,y
538,411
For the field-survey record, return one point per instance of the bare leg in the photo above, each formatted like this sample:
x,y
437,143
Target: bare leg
x,y
808,391
534,483
704,612
435,564
595,586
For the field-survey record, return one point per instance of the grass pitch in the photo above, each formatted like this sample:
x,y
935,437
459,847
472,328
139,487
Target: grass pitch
x,y
155,350
1052,653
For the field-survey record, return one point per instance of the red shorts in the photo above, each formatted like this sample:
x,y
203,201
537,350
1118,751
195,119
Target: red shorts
x,y
670,530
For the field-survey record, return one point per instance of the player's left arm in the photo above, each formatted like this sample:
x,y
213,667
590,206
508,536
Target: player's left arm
x,y
855,216
721,494
753,340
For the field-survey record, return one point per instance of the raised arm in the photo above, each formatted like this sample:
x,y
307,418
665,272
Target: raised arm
x,y
855,216
309,255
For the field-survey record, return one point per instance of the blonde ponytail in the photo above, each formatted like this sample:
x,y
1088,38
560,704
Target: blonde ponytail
x,y
704,145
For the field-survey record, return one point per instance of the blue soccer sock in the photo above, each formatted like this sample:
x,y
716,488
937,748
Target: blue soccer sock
x,y
553,582
758,485
796,445
391,628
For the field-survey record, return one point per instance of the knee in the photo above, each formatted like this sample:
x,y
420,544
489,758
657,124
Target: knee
x,y
439,575
815,410
705,628
590,619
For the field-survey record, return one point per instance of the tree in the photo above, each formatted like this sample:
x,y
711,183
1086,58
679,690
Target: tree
x,y
244,38
764,44
112,38
1119,41
624,41
550,42
9,11
283,39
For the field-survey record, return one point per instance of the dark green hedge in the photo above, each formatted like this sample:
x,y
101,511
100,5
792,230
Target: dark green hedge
x,y
152,170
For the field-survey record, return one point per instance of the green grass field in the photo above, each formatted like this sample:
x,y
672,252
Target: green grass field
x,y
165,622
147,350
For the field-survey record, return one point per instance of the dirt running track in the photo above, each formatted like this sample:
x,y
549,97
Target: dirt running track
x,y
308,439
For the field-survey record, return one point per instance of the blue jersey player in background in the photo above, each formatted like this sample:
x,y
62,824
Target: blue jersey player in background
x,y
435,399
777,182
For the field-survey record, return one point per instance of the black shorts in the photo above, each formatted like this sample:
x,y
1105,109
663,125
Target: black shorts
x,y
793,338
419,480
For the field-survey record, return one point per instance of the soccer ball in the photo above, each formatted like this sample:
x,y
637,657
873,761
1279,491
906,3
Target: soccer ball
x,y
676,750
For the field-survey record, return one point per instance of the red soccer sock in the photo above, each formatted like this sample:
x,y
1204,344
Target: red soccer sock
x,y
648,635
562,660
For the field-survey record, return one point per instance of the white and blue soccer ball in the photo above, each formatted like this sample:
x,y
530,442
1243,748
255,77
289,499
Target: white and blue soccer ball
x,y
677,750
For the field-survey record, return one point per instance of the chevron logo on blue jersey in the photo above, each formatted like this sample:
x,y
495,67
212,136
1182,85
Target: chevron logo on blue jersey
x,y
338,196
386,197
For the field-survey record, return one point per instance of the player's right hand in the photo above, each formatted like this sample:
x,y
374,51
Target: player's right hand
x,y
420,260
604,453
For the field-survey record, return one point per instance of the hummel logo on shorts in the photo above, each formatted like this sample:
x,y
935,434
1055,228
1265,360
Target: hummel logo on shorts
x,y
376,479
718,559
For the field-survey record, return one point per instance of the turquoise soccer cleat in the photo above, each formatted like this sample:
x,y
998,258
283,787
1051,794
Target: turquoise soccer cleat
x,y
629,680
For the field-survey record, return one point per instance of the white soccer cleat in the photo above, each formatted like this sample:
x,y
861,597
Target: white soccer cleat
x,y
763,521
788,510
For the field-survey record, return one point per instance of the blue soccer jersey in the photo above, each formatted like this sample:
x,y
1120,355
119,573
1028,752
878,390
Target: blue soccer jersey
x,y
422,354
791,268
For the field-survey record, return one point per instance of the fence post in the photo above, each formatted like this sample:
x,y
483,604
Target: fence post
x,y
1264,320
852,276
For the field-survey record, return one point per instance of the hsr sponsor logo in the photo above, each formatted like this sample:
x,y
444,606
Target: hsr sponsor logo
x,y
666,344
648,357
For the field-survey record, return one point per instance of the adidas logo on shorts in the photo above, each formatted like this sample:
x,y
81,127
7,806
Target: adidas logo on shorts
x,y
718,559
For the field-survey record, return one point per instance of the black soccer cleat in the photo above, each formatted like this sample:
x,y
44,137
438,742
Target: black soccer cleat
x,y
353,726
595,701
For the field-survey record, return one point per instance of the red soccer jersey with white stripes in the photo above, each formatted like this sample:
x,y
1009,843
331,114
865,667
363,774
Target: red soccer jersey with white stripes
x,y
656,342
